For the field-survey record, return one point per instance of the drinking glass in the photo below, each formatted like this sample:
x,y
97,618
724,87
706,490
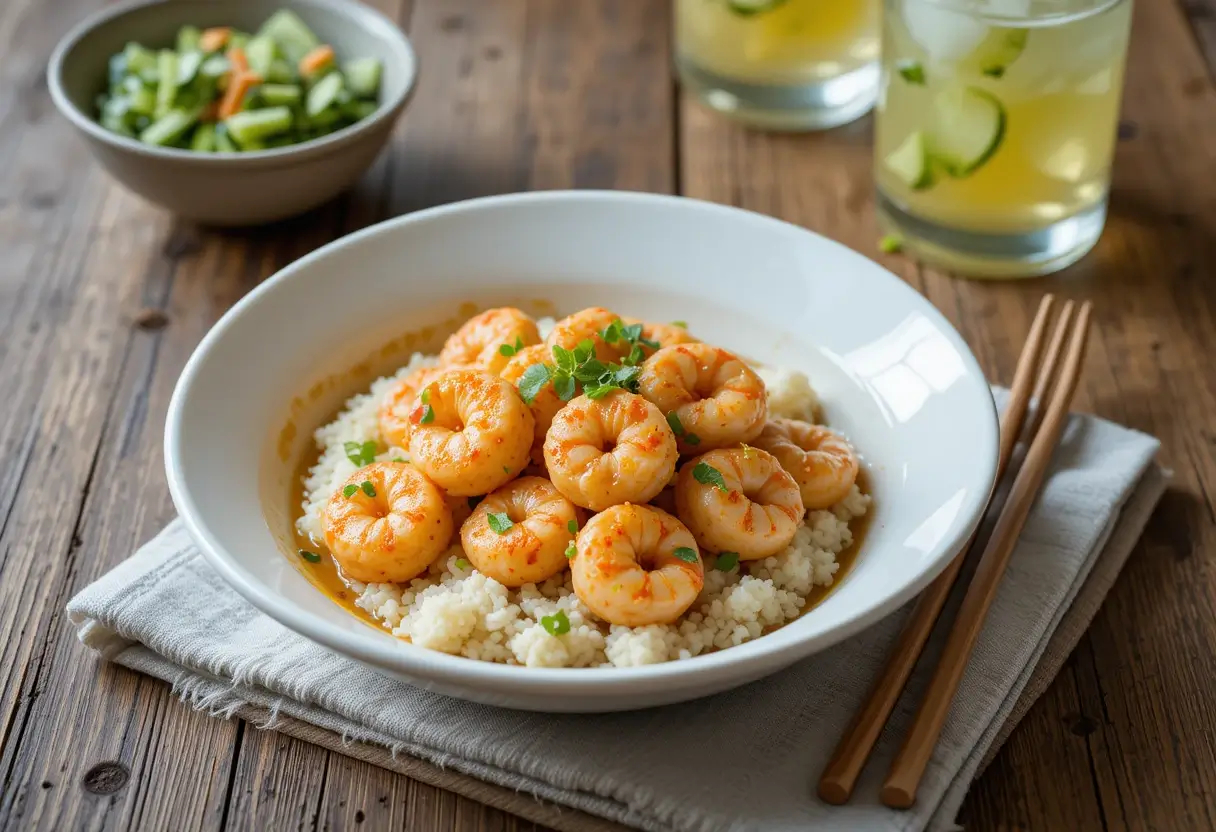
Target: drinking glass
x,y
995,127
780,64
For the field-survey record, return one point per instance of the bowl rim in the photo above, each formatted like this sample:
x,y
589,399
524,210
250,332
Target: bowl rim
x,y
364,16
422,663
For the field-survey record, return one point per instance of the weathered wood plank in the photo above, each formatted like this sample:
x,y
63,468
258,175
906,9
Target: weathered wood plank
x,y
1202,14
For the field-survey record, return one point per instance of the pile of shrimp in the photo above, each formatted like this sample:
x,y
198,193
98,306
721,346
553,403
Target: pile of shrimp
x,y
627,452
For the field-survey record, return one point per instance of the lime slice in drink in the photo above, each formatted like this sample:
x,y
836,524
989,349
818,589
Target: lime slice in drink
x,y
999,49
910,162
968,126
747,8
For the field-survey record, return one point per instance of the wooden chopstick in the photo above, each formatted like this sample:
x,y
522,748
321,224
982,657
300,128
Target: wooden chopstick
x,y
840,775
899,790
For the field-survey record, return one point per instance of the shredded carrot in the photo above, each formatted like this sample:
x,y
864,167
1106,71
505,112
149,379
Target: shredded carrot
x,y
213,40
236,57
234,96
318,58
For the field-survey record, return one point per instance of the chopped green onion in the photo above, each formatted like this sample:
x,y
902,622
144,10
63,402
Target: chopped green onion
x,y
500,523
685,554
462,564
707,474
692,439
425,395
680,324
428,415
677,427
349,490
557,624
368,488
912,72
397,459
571,550
726,561
891,244
360,453
311,557
572,526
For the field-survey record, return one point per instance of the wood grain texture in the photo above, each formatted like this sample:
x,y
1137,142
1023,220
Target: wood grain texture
x,y
103,297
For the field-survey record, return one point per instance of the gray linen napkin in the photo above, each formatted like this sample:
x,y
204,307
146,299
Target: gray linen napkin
x,y
746,759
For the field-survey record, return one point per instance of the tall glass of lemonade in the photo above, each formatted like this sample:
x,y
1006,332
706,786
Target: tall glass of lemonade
x,y
996,124
780,64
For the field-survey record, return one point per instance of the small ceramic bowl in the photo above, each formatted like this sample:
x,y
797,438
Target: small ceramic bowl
x,y
232,188
890,371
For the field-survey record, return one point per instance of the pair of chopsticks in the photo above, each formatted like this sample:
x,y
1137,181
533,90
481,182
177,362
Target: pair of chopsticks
x,y
1051,385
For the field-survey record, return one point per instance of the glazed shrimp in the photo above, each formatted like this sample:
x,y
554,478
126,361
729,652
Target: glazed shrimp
x,y
716,399
477,342
533,546
637,565
821,461
603,452
470,432
546,403
387,522
753,509
588,325
393,416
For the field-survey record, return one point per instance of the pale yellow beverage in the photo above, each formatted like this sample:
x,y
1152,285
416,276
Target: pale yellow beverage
x,y
796,64
995,129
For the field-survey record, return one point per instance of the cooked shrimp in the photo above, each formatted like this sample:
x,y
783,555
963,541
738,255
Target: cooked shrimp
x,y
637,565
739,500
821,461
386,523
588,325
470,432
531,545
394,413
603,452
546,403
718,401
477,343
665,335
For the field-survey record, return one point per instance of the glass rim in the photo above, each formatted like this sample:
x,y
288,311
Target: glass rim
x,y
980,9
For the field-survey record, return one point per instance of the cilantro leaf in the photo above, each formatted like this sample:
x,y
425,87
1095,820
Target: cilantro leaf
x,y
707,474
565,385
687,555
500,523
531,382
564,358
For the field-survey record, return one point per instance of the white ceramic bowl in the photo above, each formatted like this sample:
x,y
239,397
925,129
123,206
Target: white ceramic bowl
x,y
893,374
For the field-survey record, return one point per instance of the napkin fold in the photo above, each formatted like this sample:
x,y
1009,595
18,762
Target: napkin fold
x,y
745,759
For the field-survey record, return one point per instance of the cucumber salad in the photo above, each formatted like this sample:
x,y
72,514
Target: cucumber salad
x,y
224,90
964,123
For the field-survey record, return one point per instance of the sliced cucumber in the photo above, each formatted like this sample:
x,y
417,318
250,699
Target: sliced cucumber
x,y
187,38
166,69
968,126
747,8
998,50
168,128
203,139
281,72
323,93
363,77
251,127
275,95
292,34
261,52
910,162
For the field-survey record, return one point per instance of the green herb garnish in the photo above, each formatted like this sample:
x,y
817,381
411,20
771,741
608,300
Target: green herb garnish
x,y
311,557
500,523
891,244
685,554
360,453
677,427
462,564
428,415
680,324
507,350
571,551
912,72
368,488
726,561
533,379
572,526
425,395
397,459
707,474
349,490
557,624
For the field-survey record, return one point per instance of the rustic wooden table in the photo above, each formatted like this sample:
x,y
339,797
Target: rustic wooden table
x,y
102,298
